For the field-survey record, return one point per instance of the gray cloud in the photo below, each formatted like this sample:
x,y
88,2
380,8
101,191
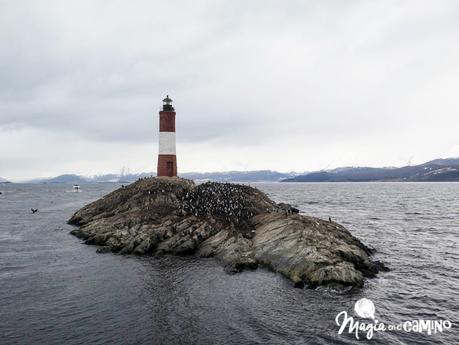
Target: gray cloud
x,y
263,83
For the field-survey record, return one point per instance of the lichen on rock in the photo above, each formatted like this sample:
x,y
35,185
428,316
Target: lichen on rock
x,y
237,224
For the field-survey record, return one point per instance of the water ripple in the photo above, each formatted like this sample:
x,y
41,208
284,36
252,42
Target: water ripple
x,y
55,290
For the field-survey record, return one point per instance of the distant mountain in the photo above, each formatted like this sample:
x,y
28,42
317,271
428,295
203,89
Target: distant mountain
x,y
435,170
239,176
230,176
68,178
2,180
78,179
444,162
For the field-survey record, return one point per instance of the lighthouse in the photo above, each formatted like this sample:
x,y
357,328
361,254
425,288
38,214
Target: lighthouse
x,y
167,159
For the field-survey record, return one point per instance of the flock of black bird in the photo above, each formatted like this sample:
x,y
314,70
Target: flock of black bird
x,y
226,201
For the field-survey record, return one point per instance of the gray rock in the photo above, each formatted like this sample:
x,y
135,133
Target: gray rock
x,y
237,224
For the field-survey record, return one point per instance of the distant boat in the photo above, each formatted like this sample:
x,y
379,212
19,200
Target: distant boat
x,y
76,188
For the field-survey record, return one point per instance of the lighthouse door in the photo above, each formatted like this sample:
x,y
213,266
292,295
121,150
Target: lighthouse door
x,y
170,168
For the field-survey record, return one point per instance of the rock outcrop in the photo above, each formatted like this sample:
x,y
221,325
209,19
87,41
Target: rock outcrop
x,y
237,224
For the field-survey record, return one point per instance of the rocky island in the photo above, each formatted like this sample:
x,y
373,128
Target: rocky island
x,y
237,224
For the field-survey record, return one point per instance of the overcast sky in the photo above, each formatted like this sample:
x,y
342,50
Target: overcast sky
x,y
281,85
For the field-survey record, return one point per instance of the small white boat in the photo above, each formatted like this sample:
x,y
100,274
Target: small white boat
x,y
76,188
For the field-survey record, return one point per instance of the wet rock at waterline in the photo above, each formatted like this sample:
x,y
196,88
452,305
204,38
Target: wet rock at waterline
x,y
237,224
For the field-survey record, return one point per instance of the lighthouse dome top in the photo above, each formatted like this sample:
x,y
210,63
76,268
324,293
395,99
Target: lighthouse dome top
x,y
167,103
167,100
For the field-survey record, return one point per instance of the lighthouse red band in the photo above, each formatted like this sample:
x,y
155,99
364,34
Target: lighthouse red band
x,y
167,159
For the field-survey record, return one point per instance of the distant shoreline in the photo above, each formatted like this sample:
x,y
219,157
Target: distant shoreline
x,y
438,170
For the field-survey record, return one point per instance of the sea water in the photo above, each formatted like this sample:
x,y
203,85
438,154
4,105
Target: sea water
x,y
56,290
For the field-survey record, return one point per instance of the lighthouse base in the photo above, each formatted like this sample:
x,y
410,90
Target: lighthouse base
x,y
167,165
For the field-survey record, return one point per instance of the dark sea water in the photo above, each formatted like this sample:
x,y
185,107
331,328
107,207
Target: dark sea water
x,y
55,290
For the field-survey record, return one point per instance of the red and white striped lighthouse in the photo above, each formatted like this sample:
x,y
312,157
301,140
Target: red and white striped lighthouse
x,y
167,160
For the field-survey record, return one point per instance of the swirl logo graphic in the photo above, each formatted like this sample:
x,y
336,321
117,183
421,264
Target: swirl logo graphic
x,y
365,308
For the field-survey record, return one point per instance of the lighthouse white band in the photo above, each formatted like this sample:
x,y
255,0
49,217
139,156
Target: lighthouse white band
x,y
167,143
